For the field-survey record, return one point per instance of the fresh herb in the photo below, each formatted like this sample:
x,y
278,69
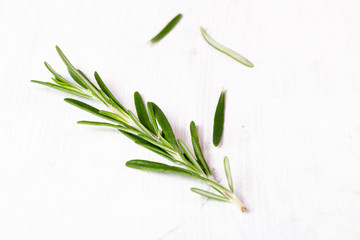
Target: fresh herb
x,y
219,120
166,29
150,129
225,50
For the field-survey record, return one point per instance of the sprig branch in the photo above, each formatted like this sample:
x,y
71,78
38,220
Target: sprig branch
x,y
149,129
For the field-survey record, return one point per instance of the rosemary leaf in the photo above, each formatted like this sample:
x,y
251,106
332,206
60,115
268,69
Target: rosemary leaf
x,y
166,29
224,49
189,155
90,109
219,120
165,126
197,149
228,173
107,91
142,113
63,88
152,118
59,77
209,194
160,167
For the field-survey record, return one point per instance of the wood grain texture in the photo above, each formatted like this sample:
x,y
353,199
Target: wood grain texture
x,y
292,130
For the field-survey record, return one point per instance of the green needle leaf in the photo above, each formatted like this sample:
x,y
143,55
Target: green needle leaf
x,y
219,120
225,50
209,195
160,167
142,113
90,109
152,118
102,124
60,78
189,155
155,149
79,78
197,148
82,106
166,29
165,126
228,173
62,88
107,91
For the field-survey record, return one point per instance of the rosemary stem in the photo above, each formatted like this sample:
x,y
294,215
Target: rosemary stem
x,y
231,196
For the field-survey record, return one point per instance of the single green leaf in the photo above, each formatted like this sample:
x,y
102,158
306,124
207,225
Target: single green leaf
x,y
228,173
142,112
209,195
112,115
62,88
79,78
119,127
107,91
165,126
160,167
138,123
197,149
152,118
154,149
60,83
102,124
83,74
219,120
225,50
166,29
189,155
82,106
90,109
156,143
60,78
151,145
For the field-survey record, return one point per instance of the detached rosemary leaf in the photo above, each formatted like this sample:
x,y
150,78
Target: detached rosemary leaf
x,y
225,50
165,126
62,88
142,113
197,149
219,120
209,195
166,29
228,173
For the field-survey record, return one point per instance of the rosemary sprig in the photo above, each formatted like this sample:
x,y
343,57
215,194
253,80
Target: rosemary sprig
x,y
224,49
150,129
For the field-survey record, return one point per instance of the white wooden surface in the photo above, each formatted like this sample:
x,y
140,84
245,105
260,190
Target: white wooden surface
x,y
292,129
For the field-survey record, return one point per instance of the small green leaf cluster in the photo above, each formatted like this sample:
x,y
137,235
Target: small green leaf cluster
x,y
150,129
